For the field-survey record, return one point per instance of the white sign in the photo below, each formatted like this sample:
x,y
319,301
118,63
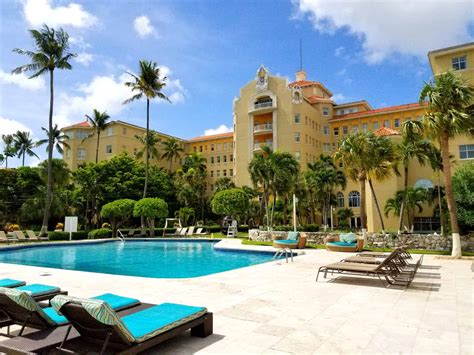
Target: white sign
x,y
70,225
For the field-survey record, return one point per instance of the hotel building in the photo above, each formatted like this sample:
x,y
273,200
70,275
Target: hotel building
x,y
301,118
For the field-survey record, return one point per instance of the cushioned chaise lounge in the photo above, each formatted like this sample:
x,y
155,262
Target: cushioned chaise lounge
x,y
97,322
39,292
11,283
19,307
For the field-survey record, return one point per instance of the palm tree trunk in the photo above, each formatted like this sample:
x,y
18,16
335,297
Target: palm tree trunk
x,y
377,205
97,147
402,207
285,210
47,206
444,145
171,164
23,158
6,161
441,217
363,212
147,159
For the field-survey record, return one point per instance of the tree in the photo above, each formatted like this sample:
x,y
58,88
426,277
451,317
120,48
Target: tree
x,y
172,150
224,183
463,188
412,198
151,208
449,99
51,53
150,85
8,148
24,145
149,142
230,202
59,139
99,123
117,211
260,170
343,216
185,214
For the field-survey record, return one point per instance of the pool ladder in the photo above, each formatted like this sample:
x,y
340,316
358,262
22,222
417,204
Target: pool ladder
x,y
120,236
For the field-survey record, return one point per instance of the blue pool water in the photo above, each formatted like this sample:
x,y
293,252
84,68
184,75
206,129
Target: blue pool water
x,y
158,259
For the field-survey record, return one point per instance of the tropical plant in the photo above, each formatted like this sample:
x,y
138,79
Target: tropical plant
x,y
59,139
463,188
98,121
151,141
231,202
118,211
224,183
260,169
51,52
343,216
186,215
412,198
151,208
24,145
8,148
172,150
449,99
149,84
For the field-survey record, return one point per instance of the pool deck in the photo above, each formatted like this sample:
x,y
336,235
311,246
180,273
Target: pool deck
x,y
278,308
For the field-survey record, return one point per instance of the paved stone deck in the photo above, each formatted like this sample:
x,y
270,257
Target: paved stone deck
x,y
278,308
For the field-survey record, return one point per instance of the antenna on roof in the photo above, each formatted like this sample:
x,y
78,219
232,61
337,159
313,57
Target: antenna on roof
x,y
301,54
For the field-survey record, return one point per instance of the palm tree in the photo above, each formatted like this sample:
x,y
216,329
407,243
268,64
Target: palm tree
x,y
8,148
59,140
412,198
99,123
147,83
449,98
150,142
172,150
354,154
24,145
51,53
192,179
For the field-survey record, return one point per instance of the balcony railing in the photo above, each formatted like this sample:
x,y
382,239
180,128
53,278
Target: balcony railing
x,y
265,127
259,146
263,106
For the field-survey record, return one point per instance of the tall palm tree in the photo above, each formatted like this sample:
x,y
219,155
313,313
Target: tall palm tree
x,y
172,150
412,198
51,52
59,140
149,141
98,122
149,84
24,145
449,98
8,148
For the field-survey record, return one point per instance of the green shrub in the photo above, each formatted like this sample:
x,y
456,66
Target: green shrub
x,y
309,228
100,233
151,208
55,236
230,202
80,235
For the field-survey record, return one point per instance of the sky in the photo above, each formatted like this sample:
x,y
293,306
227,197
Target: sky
x,y
209,49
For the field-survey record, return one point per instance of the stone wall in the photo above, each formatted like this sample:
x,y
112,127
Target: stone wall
x,y
418,241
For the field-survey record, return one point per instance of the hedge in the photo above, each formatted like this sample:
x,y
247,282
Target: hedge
x,y
100,233
79,235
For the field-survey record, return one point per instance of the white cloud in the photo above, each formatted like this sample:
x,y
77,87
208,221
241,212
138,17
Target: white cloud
x,y
339,51
143,26
38,12
84,58
393,26
338,97
173,89
11,126
221,129
22,81
79,42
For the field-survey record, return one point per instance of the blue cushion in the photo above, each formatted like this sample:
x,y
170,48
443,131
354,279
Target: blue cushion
x,y
348,238
11,283
58,319
117,302
149,320
286,241
38,289
293,236
343,244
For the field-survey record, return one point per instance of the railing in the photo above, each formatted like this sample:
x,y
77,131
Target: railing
x,y
263,104
258,146
120,235
263,127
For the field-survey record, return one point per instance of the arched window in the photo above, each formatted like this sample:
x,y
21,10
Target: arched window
x,y
424,183
354,199
340,199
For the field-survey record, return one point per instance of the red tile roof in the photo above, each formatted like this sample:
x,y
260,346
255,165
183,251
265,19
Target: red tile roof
x,y
302,83
385,131
213,136
84,124
379,110
316,98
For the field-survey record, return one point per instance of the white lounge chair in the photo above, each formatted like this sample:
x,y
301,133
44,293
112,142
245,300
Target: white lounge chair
x,y
183,231
191,231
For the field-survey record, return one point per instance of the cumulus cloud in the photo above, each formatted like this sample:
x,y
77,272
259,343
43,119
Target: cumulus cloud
x,y
10,126
38,12
143,26
393,26
22,81
338,97
174,89
221,129
79,42
84,58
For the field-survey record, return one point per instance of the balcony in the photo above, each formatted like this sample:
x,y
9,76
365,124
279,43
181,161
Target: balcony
x,y
263,128
263,106
259,146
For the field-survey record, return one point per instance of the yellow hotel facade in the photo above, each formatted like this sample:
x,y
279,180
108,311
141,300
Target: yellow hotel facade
x,y
300,118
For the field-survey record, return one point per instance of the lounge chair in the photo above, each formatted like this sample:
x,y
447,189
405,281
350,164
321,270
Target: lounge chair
x,y
19,307
287,245
3,237
32,236
183,231
39,292
11,283
190,231
199,231
177,231
98,323
20,236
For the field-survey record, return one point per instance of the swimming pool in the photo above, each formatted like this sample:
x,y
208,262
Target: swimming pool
x,y
155,258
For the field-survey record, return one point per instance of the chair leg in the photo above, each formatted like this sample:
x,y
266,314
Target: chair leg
x,y
106,343
204,329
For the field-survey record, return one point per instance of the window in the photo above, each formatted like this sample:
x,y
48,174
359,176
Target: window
x,y
135,151
466,151
340,200
424,183
326,147
200,148
297,156
218,173
218,159
108,149
396,123
459,63
224,146
124,131
231,172
386,123
326,130
355,128
195,149
81,154
219,147
212,160
212,173
224,158
376,125
224,172
297,118
297,137
325,111
109,131
82,134
212,147
345,130
231,157
212,187
336,131
354,199
365,127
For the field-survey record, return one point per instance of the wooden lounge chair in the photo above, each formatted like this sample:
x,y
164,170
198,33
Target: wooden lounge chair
x,y
97,323
32,236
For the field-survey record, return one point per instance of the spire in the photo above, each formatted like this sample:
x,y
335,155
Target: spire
x,y
301,55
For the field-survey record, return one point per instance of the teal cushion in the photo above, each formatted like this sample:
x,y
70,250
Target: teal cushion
x,y
11,283
286,241
117,302
58,319
292,236
38,289
343,244
153,319
348,238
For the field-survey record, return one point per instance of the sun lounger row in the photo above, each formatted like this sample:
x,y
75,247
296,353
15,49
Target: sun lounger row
x,y
180,232
388,268
19,236
119,324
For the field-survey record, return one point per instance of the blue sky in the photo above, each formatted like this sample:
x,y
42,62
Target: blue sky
x,y
209,49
